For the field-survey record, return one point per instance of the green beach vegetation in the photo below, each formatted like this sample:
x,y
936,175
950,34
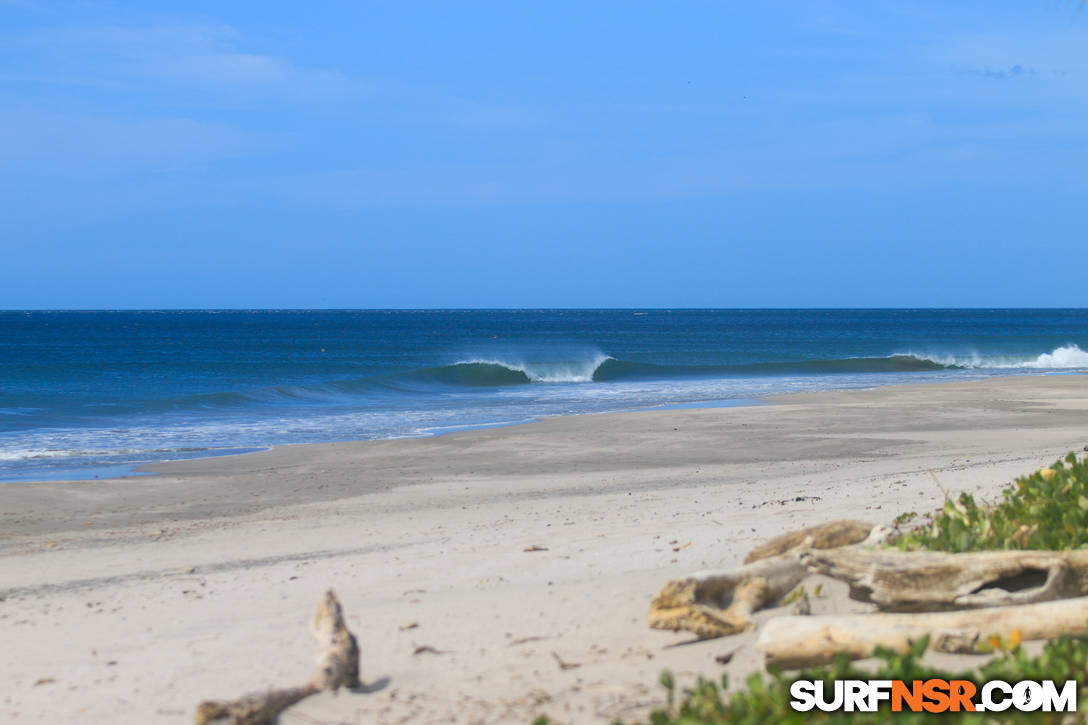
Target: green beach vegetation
x,y
1047,509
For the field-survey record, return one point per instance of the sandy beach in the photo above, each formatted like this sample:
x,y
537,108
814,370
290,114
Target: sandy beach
x,y
132,600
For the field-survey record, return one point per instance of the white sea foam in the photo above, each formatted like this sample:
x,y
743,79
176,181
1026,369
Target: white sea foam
x,y
1066,357
30,454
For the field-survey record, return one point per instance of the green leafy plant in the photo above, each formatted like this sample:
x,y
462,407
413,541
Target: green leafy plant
x,y
1045,510
796,595
904,518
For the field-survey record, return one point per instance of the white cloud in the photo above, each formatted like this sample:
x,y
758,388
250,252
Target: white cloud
x,y
37,142
204,61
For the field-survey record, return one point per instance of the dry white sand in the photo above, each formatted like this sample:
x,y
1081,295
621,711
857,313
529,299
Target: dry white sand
x,y
130,601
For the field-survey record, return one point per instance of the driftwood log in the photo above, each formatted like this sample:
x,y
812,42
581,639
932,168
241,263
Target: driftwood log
x,y
825,536
932,581
793,642
337,648
720,603
337,666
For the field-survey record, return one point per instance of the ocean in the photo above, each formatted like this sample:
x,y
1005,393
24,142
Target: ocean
x,y
87,394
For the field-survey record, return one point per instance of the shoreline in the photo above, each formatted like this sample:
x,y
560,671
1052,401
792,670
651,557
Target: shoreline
x,y
196,583
137,469
232,464
145,468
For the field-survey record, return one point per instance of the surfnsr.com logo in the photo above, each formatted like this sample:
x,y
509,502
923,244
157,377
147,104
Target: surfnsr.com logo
x,y
933,695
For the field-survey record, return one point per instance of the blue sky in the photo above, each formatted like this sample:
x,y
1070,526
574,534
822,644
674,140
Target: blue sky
x,y
559,154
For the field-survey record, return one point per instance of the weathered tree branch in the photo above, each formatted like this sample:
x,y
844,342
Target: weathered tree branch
x,y
338,651
793,642
720,603
930,581
831,535
258,708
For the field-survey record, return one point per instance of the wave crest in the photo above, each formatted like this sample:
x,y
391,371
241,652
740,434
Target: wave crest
x,y
500,372
1065,357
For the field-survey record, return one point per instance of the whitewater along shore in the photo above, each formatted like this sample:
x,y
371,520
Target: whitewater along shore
x,y
489,575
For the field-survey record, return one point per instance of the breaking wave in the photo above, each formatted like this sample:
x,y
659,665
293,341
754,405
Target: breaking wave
x,y
1066,357
498,372
604,368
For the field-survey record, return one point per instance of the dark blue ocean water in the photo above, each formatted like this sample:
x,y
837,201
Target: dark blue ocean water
x,y
91,393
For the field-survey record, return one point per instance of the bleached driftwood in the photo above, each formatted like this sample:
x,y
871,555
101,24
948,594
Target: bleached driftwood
x,y
720,603
337,666
258,708
931,581
337,649
825,536
802,641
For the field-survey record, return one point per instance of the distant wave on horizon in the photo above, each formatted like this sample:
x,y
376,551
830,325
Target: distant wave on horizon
x,y
604,368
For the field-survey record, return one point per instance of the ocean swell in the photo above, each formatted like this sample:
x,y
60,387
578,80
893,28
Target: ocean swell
x,y
371,391
604,368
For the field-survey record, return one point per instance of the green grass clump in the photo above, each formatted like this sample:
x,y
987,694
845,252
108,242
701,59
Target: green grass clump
x,y
1046,510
